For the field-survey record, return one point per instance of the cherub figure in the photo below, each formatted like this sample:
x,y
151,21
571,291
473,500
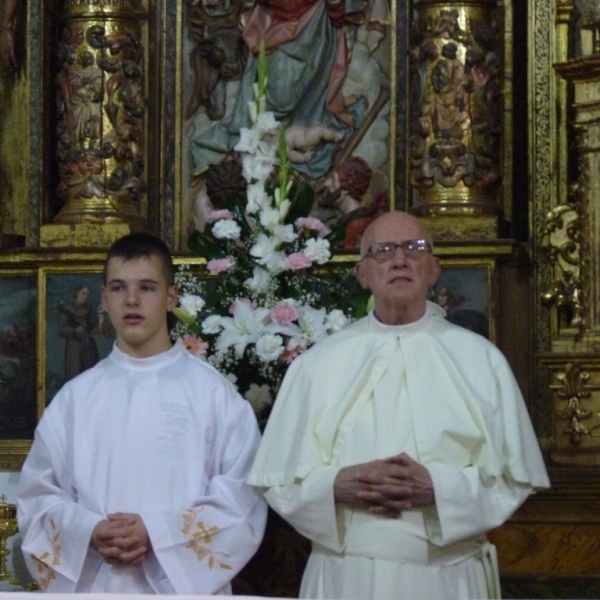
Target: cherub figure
x,y
302,141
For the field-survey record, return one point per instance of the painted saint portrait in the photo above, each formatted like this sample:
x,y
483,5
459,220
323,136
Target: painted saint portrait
x,y
17,357
463,292
78,331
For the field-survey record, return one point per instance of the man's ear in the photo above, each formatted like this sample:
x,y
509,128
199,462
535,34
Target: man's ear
x,y
437,270
103,298
360,275
172,297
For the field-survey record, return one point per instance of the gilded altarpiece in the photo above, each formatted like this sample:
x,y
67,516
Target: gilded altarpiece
x,y
97,119
554,537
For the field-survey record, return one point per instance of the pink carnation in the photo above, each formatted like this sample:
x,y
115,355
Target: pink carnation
x,y
219,265
197,346
311,223
298,260
219,215
287,356
284,312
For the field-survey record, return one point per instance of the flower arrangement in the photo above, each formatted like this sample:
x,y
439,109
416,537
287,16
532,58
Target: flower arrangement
x,y
272,293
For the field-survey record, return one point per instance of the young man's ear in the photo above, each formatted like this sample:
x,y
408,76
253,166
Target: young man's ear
x,y
103,298
172,297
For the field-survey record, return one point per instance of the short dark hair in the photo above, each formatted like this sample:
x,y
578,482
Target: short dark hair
x,y
136,245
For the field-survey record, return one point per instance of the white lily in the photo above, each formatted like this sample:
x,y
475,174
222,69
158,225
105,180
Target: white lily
x,y
312,323
275,262
269,218
259,282
245,327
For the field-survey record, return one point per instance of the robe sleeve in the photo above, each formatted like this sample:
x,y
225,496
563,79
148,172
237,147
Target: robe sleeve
x,y
309,506
201,548
56,529
468,504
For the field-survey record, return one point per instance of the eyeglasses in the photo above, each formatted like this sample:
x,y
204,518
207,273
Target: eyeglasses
x,y
414,249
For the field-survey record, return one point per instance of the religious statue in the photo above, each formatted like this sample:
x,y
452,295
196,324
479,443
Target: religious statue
x,y
317,52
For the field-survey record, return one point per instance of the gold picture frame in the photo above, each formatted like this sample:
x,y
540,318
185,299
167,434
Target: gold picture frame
x,y
72,336
18,363
466,290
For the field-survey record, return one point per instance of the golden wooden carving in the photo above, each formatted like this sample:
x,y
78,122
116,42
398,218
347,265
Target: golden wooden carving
x,y
101,105
574,396
82,235
456,109
561,244
573,380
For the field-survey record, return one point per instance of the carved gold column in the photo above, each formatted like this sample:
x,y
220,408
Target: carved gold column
x,y
571,237
456,116
101,128
569,242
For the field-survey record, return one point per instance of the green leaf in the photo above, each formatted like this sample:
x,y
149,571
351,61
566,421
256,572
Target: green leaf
x,y
302,197
204,244
240,218
336,237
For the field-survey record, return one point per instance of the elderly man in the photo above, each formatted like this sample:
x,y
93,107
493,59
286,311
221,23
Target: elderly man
x,y
397,443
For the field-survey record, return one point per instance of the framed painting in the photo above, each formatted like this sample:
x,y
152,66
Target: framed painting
x,y
76,332
18,397
464,291
331,84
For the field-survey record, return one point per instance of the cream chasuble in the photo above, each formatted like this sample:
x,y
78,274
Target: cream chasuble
x,y
442,394
166,437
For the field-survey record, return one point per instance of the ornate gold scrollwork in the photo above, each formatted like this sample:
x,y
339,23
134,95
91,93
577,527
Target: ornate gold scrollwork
x,y
562,239
573,391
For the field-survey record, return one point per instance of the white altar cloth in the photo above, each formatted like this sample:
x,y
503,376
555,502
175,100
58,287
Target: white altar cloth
x,y
42,595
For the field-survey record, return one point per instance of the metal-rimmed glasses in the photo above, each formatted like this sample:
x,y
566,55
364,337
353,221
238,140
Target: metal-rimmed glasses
x,y
414,249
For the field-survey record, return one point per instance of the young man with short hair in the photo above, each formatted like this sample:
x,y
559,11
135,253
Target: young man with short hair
x,y
135,482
